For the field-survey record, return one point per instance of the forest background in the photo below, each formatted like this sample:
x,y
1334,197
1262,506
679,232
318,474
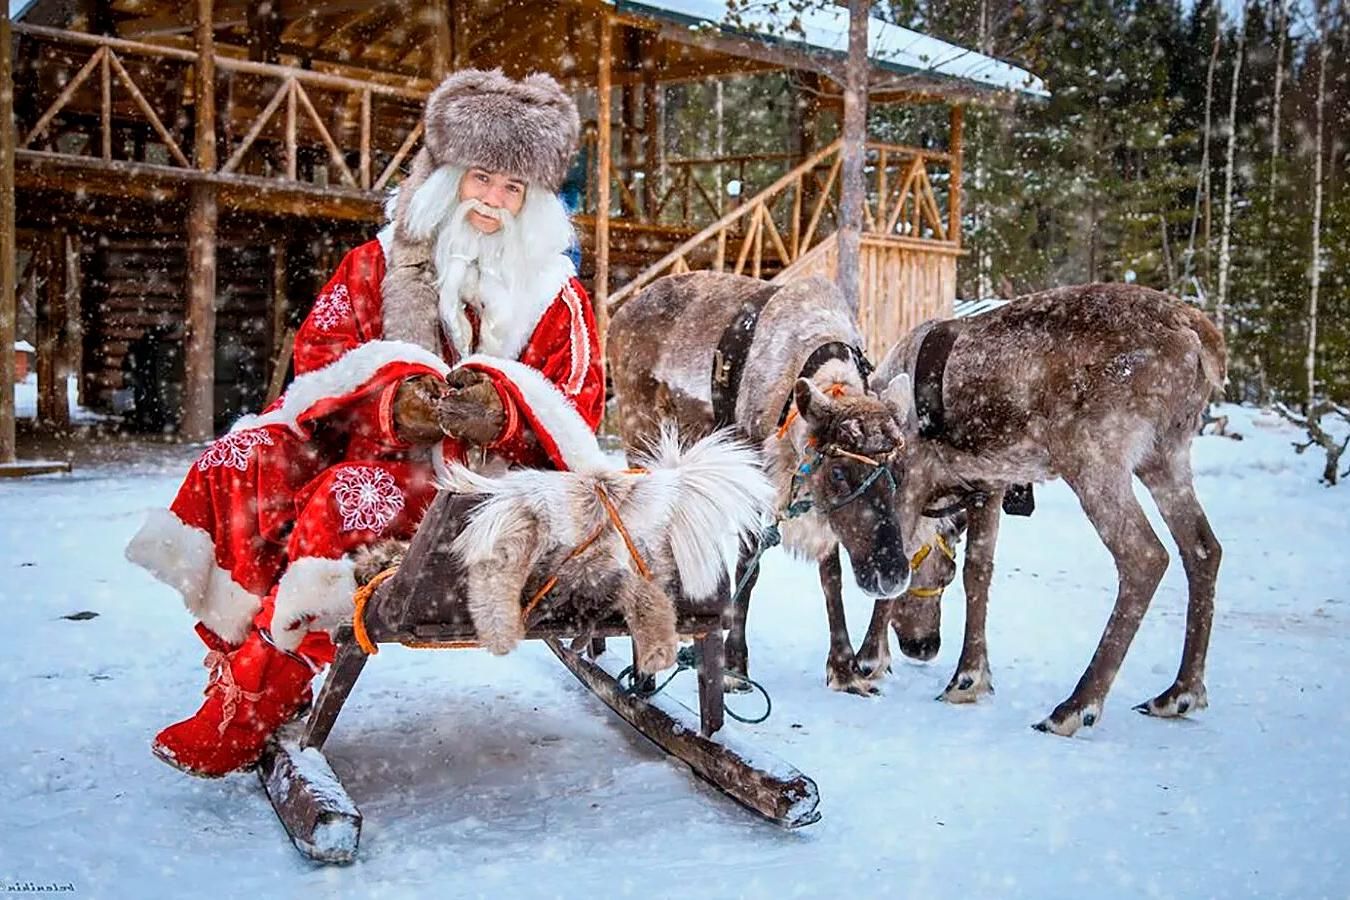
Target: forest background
x,y
1198,148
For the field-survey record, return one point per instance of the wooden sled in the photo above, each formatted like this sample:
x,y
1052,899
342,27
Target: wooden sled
x,y
420,606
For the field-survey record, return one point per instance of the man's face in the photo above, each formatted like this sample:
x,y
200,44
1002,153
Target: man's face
x,y
495,189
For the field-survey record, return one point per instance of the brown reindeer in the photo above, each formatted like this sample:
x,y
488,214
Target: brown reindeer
x,y
781,365
1093,384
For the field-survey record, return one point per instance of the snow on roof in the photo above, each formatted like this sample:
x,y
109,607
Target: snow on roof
x,y
890,46
23,347
18,7
965,308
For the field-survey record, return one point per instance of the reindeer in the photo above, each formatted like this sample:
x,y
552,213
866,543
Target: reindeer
x,y
1092,384
781,364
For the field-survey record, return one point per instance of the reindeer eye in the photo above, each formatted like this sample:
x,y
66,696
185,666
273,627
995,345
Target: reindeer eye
x,y
839,475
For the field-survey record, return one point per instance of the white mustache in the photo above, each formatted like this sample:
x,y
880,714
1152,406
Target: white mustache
x,y
491,212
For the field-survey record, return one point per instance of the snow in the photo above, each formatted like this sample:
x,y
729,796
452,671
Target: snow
x,y
825,27
486,776
25,401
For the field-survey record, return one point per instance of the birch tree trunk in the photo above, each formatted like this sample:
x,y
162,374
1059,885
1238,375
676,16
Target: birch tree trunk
x,y
1282,27
1315,273
852,188
1225,238
1202,184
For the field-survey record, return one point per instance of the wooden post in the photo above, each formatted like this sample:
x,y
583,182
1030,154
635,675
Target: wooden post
x,y
954,181
602,156
442,42
198,419
651,128
8,307
53,409
854,150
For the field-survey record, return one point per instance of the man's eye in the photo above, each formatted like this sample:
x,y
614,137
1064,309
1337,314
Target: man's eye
x,y
514,188
480,177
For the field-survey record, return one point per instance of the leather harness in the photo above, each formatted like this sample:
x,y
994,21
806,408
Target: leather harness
x,y
734,348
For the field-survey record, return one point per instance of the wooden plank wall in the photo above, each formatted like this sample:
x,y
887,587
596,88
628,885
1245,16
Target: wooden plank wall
x,y
900,287
134,302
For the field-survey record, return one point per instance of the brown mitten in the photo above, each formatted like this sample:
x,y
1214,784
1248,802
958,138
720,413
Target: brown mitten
x,y
472,409
416,409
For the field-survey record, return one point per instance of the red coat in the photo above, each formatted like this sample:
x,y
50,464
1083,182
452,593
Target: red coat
x,y
264,522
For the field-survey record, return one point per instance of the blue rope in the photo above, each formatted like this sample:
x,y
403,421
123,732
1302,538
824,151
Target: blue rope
x,y
644,686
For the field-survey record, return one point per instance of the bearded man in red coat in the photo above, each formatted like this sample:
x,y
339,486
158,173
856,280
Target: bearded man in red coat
x,y
460,334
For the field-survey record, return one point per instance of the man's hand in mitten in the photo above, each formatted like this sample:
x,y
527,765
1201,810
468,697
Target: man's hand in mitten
x,y
416,409
472,409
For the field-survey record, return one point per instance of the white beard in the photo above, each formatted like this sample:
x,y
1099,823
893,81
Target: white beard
x,y
509,277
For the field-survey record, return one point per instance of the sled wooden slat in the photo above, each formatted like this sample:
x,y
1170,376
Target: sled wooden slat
x,y
754,779
321,820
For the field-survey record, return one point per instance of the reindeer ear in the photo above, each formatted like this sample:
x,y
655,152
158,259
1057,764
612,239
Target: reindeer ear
x,y
899,396
812,404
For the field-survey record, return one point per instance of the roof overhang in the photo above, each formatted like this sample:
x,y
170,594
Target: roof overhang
x,y
902,60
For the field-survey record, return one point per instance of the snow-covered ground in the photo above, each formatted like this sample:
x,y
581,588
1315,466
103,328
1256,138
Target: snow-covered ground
x,y
504,778
25,400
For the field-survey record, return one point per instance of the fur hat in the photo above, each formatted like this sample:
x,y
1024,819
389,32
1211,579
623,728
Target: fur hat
x,y
482,118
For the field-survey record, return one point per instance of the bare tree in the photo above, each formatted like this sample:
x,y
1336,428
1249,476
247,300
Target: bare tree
x,y
1202,184
1315,266
1225,238
1282,27
852,189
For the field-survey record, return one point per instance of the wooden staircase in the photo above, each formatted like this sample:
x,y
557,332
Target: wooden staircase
x,y
910,241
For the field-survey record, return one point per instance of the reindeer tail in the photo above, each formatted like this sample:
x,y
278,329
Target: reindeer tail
x,y
720,490
1213,353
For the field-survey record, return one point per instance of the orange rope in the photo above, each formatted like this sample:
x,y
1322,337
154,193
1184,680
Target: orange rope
x,y
628,541
363,595
552,582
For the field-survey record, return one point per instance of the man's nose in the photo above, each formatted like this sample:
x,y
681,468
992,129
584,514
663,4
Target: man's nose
x,y
495,196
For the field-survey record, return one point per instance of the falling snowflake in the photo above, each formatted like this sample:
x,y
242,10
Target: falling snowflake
x,y
332,308
233,449
367,497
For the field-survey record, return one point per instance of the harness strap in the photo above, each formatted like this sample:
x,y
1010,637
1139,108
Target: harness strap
x,y
929,368
733,348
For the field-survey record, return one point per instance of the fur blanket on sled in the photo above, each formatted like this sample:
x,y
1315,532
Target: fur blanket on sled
x,y
683,513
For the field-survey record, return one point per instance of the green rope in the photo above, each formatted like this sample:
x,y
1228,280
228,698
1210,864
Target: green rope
x,y
644,686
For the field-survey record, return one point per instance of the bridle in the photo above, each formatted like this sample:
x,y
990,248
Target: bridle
x,y
881,468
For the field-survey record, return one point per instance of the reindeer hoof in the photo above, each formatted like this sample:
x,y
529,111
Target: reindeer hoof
x,y
1065,721
968,686
873,670
735,684
850,681
1175,702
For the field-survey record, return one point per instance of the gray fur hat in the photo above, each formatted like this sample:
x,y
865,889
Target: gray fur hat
x,y
482,118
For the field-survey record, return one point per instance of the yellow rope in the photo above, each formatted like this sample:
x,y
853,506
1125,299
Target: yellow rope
x,y
925,592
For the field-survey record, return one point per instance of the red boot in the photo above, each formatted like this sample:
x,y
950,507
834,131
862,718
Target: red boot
x,y
253,691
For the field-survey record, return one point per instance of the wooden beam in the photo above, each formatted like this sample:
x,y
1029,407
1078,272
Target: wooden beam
x,y
197,422
652,132
442,41
53,410
602,156
954,177
8,306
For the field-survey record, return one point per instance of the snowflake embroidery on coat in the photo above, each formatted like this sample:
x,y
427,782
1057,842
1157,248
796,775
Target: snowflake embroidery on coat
x,y
233,449
367,497
332,308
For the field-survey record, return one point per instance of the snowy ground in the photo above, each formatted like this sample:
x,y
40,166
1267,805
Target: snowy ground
x,y
504,778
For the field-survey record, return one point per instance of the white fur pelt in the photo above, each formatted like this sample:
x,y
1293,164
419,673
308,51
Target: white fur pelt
x,y
681,515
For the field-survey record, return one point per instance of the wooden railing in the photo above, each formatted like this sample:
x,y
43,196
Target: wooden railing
x,y
363,131
779,226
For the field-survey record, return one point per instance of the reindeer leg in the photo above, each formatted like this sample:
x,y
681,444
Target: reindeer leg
x,y
874,656
972,679
737,662
841,670
1170,482
1109,501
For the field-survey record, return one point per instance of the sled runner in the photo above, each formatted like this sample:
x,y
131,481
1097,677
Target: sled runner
x,y
422,605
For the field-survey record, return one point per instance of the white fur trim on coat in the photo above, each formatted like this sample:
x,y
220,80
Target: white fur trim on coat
x,y
184,558
312,586
342,376
570,432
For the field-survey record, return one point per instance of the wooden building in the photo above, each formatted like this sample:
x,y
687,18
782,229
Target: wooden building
x,y
190,172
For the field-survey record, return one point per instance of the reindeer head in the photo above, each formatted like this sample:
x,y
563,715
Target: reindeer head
x,y
853,471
